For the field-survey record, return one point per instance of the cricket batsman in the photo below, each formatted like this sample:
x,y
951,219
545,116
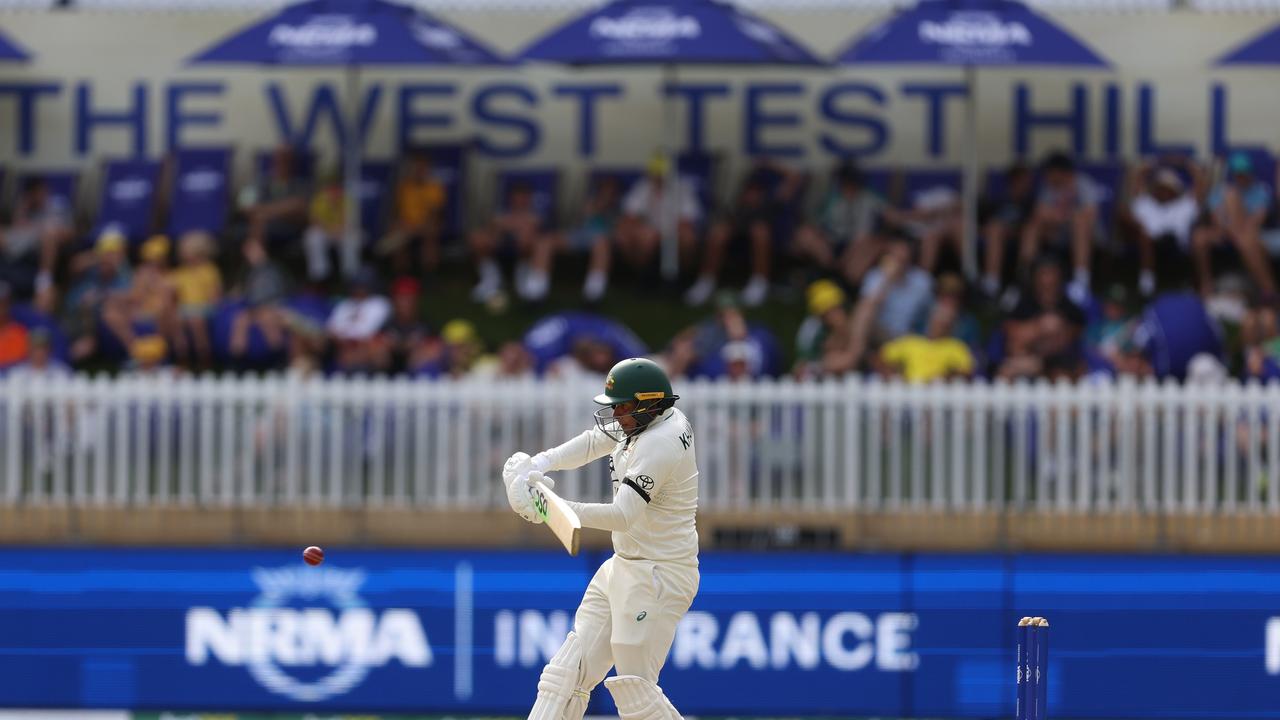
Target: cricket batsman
x,y
630,610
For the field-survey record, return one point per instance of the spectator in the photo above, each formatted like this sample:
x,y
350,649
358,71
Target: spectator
x,y
1109,332
1007,214
277,207
405,337
1163,214
419,216
651,204
41,364
935,221
462,348
595,235
354,324
149,300
1238,207
519,227
591,358
1260,338
949,290
97,287
826,333
742,361
29,245
895,298
843,233
14,338
513,362
1066,214
1044,324
149,355
756,211
710,336
262,289
327,230
198,285
937,355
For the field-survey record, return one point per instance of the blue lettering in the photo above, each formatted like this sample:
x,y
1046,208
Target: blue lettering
x,y
133,119
587,95
411,119
1218,139
1111,128
323,101
1075,119
829,107
178,118
1147,143
756,119
27,94
523,126
695,95
935,96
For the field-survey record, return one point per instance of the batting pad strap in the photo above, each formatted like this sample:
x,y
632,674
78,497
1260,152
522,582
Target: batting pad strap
x,y
639,699
643,493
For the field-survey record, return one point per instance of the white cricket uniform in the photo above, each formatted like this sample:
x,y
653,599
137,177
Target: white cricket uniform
x,y
630,610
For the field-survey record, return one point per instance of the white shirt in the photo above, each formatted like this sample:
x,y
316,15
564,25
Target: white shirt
x,y
355,319
1172,218
644,200
655,488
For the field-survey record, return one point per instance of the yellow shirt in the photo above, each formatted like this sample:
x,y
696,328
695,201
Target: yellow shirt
x,y
328,208
197,285
923,360
418,201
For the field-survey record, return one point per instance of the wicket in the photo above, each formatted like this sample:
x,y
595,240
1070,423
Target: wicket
x,y
1032,701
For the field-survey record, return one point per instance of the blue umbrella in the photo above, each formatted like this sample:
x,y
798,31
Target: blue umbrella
x,y
10,51
669,33
970,34
1261,50
349,34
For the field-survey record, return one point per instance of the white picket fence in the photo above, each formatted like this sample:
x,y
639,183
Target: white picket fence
x,y
852,444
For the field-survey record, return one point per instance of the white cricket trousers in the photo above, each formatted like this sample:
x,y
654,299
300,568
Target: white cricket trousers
x,y
628,617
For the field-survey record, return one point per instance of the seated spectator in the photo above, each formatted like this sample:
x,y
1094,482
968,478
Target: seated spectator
x,y
197,283
262,290
1109,332
419,215
14,339
40,364
276,207
355,322
704,356
149,355
1066,215
935,221
843,233
650,205
327,230
949,290
594,235
1238,207
590,359
404,339
1006,215
936,355
1260,339
96,287
519,227
751,221
29,245
895,298
741,360
825,334
1044,324
1163,214
512,362
148,302
463,348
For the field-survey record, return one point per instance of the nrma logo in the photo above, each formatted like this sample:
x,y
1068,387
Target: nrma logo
x,y
308,635
647,24
975,29
324,32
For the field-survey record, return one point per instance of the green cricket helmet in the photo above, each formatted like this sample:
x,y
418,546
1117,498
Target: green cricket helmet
x,y
639,381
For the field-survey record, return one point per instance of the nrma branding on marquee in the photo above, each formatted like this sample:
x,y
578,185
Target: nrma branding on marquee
x,y
324,32
980,29
308,635
647,24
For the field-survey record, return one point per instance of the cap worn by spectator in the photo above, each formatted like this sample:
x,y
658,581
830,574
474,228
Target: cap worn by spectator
x,y
658,165
110,240
1168,178
823,295
1206,370
1240,163
148,350
458,332
155,249
406,286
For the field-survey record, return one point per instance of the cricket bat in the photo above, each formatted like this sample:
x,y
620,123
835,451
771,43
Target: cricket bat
x,y
557,515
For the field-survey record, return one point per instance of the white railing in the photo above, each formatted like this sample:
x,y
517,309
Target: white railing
x,y
851,444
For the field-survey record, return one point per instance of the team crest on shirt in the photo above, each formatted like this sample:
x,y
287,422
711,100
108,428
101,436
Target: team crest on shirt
x,y
645,481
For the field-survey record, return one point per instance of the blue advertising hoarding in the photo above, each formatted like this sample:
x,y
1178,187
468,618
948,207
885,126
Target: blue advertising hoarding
x,y
795,633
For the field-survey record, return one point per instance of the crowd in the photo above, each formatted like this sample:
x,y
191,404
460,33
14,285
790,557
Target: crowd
x,y
1083,272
